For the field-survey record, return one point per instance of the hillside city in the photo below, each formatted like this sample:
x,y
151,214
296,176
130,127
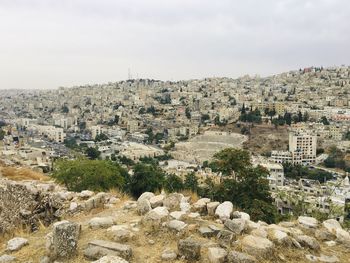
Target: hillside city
x,y
217,138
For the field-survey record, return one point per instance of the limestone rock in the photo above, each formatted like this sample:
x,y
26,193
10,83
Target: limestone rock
x,y
308,222
238,257
169,255
16,244
217,255
259,233
324,235
201,205
101,222
331,225
225,238
189,248
110,259
278,236
343,236
176,225
211,207
309,242
85,194
119,233
7,259
178,215
155,217
145,196
143,206
62,242
156,201
238,214
99,248
224,210
236,225
328,259
172,201
256,246
206,232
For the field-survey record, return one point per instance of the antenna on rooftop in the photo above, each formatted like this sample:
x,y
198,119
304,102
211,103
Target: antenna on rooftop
x,y
129,74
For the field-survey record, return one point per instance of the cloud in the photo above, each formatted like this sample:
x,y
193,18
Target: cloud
x,y
49,43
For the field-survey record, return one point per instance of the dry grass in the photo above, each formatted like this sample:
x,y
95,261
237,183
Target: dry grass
x,y
193,196
20,174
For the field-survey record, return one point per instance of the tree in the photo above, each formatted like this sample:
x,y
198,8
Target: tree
x,y
2,134
230,159
191,182
93,153
347,136
101,137
70,142
173,183
146,178
288,118
65,109
188,113
83,174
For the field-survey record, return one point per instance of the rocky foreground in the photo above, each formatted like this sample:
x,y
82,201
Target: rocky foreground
x,y
107,227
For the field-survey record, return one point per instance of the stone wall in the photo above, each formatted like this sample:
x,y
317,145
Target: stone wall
x,y
27,204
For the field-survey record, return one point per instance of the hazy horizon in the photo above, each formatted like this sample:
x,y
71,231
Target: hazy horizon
x,y
47,44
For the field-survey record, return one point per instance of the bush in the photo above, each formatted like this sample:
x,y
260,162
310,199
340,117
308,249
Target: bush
x,y
95,175
146,178
173,183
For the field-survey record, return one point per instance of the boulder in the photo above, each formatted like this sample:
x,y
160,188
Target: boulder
x,y
172,201
238,214
178,215
308,242
7,259
224,210
225,238
100,248
201,206
259,232
156,201
145,196
143,206
155,217
217,255
324,235
101,222
16,244
189,248
62,242
331,225
206,232
110,259
238,257
278,236
119,233
328,259
343,237
236,225
308,222
256,246
176,225
211,207
85,194
185,206
168,255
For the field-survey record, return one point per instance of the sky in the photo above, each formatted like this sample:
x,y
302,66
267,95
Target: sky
x,y
45,44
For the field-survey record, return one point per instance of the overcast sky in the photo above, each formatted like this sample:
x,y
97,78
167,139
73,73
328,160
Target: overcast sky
x,y
51,43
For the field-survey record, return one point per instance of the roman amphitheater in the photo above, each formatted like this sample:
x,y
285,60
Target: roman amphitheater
x,y
202,147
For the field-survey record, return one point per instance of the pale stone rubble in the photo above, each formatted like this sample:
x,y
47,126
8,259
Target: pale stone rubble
x,y
205,232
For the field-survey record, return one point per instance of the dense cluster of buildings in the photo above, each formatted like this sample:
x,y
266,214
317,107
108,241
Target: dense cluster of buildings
x,y
140,117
